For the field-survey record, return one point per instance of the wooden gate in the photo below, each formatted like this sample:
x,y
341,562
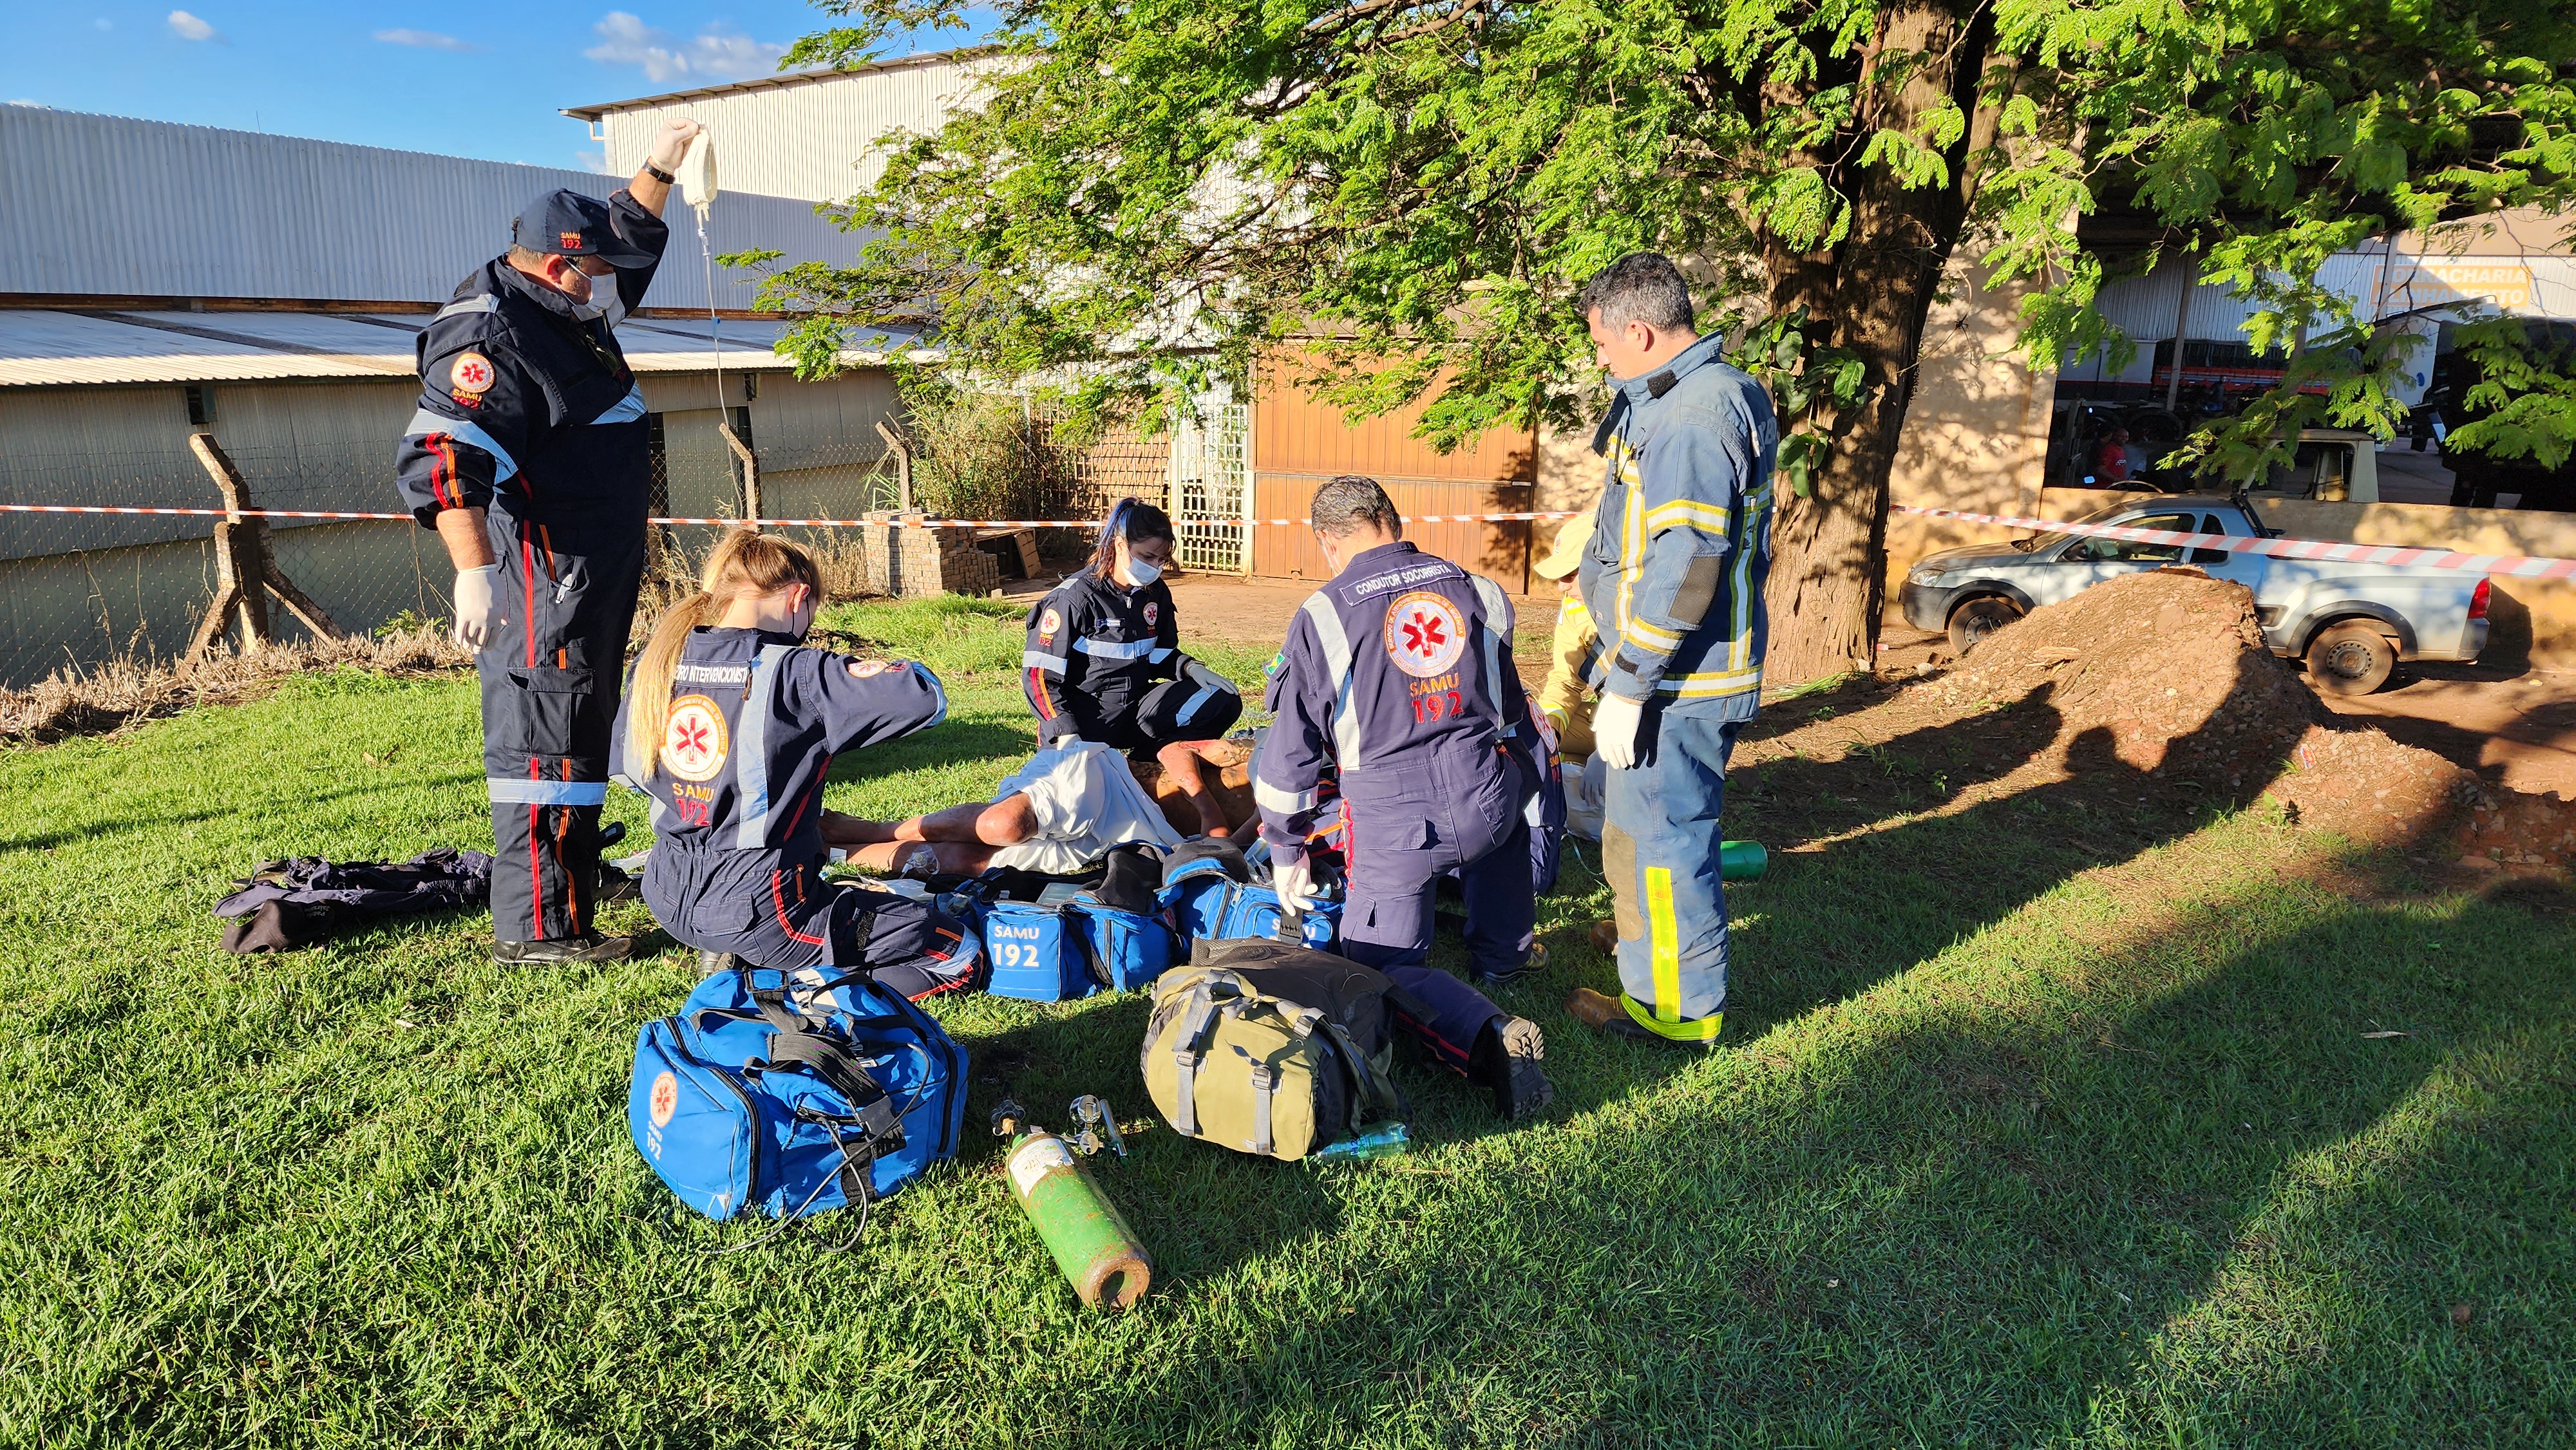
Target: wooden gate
x,y
1298,443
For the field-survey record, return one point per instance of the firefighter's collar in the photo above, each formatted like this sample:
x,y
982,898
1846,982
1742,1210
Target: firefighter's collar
x,y
1636,392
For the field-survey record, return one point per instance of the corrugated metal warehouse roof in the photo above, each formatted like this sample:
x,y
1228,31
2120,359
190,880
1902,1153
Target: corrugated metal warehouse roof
x,y
40,348
108,206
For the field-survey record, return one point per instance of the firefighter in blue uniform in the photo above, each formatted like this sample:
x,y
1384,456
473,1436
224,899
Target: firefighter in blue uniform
x,y
730,724
528,456
1104,660
1397,678
1672,577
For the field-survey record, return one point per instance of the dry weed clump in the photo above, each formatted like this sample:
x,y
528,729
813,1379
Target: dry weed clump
x,y
126,690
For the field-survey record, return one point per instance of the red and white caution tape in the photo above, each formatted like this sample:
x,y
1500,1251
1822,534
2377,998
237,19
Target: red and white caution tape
x,y
2513,566
900,523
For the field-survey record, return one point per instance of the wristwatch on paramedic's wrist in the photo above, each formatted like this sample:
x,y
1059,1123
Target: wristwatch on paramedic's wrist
x,y
658,174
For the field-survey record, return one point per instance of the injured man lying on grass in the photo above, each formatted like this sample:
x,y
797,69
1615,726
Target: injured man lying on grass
x,y
1067,807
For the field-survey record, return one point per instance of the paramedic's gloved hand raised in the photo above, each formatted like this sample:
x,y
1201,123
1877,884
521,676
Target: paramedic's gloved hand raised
x,y
673,143
1207,679
1614,730
1295,883
477,612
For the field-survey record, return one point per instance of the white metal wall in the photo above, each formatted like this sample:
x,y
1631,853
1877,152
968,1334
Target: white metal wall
x,y
109,205
810,139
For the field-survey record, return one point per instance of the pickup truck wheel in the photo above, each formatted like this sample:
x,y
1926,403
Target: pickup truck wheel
x,y
1977,618
2350,658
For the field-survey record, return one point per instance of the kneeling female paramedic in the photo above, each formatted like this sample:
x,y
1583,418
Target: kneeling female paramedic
x,y
1104,661
729,724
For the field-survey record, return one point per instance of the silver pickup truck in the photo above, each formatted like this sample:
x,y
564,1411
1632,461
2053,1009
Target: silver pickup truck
x,y
2352,623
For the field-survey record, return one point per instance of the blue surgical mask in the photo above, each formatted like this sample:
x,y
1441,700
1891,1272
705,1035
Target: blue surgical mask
x,y
1142,573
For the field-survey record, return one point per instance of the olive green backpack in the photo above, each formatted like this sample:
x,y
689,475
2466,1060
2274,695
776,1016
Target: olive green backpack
x,y
1273,1049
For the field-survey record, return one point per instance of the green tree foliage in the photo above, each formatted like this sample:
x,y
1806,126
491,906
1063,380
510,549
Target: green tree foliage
x,y
1155,194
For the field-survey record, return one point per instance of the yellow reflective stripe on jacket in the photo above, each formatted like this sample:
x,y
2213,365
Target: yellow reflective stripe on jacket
x,y
1686,513
1652,638
1632,537
1711,682
1739,648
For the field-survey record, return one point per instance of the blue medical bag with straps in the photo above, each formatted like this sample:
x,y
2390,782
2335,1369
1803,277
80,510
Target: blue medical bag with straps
x,y
1205,902
793,1093
1058,951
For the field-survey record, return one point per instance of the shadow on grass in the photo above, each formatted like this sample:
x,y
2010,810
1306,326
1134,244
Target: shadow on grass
x,y
1954,1219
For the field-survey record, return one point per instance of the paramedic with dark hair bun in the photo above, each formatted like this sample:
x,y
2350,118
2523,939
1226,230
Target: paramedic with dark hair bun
x,y
528,456
1397,678
1104,661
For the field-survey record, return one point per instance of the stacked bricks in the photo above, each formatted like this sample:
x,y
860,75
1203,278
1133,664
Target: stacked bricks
x,y
914,563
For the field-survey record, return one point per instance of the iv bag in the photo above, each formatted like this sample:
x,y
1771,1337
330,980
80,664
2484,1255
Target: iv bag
x,y
698,171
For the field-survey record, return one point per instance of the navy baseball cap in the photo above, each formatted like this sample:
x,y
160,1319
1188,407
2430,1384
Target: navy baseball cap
x,y
570,224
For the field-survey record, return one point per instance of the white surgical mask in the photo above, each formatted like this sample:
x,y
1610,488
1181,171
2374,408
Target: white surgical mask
x,y
1140,573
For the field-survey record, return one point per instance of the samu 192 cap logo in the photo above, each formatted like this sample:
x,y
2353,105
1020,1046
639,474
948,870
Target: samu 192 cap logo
x,y
569,241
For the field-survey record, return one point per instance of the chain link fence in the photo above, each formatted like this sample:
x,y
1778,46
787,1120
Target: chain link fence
x,y
79,590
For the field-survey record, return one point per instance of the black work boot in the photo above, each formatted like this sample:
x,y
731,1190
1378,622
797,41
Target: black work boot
x,y
590,946
1534,964
1505,1060
710,963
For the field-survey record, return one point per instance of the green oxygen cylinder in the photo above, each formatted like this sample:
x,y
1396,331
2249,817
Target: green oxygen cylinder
x,y
1741,860
1081,1227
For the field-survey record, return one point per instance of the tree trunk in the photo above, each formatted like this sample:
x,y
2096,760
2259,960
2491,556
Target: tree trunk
x,y
1827,587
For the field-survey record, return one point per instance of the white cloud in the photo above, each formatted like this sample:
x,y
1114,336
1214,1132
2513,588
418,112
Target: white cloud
x,y
427,40
594,159
188,27
714,53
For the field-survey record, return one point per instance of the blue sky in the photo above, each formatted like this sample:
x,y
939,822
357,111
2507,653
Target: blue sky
x,y
467,80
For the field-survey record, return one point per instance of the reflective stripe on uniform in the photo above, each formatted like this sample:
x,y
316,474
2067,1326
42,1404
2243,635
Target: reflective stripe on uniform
x,y
1190,707
479,302
1285,802
751,748
1110,649
1665,934
1698,1029
546,792
1497,643
1687,513
1337,665
626,409
1711,682
1038,660
1161,655
424,423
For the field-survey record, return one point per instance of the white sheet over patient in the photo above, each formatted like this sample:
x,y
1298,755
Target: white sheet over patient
x,y
1086,800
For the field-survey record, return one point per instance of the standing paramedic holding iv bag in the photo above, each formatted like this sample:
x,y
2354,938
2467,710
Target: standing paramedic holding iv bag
x,y
528,455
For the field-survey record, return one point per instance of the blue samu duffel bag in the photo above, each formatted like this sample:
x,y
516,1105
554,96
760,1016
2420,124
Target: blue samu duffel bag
x,y
791,1094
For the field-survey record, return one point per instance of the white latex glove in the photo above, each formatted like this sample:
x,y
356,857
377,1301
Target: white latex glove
x,y
476,610
1295,883
1614,730
673,143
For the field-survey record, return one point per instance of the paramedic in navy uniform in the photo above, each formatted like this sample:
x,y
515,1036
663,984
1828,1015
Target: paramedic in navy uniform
x,y
528,456
1398,676
1104,661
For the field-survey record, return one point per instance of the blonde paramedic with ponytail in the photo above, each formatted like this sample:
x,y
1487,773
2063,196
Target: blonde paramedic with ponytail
x,y
730,723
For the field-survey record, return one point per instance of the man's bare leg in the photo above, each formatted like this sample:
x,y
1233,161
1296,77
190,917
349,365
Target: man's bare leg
x,y
962,838
1180,760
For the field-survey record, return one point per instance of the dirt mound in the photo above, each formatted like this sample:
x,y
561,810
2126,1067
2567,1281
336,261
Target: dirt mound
x,y
2510,828
2360,783
2171,664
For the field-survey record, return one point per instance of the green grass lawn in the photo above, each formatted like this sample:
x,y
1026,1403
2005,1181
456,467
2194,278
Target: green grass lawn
x,y
2029,1129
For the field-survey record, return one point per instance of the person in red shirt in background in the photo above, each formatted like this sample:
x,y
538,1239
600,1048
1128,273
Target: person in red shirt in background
x,y
2111,464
